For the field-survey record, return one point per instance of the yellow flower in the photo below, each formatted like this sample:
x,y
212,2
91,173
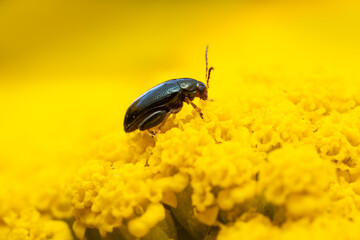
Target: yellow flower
x,y
263,160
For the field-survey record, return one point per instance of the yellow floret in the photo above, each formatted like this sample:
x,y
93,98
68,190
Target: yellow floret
x,y
324,227
140,226
297,178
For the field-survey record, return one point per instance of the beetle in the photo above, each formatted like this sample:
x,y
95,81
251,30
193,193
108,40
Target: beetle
x,y
154,106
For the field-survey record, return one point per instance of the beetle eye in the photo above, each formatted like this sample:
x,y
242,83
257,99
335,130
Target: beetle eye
x,y
201,88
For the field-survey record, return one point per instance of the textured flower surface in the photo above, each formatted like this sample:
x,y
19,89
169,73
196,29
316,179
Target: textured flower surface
x,y
277,155
259,161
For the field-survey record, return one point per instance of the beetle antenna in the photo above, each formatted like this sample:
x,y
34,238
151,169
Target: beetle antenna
x,y
207,72
206,61
208,77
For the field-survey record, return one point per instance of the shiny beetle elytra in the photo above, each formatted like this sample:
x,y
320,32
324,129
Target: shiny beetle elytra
x,y
152,108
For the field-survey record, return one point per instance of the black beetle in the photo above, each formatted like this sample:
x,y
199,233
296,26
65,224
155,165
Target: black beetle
x,y
154,106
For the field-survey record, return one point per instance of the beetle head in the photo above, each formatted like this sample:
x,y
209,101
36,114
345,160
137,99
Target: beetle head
x,y
201,91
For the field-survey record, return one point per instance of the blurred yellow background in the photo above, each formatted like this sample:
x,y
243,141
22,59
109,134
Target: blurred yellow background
x,y
69,69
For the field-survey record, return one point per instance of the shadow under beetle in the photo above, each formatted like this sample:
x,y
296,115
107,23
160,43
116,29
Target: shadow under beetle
x,y
153,107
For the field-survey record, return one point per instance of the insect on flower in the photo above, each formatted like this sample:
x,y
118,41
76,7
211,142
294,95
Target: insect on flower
x,y
152,108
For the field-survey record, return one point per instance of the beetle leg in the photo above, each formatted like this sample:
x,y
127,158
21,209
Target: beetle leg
x,y
188,101
154,119
158,130
164,121
152,133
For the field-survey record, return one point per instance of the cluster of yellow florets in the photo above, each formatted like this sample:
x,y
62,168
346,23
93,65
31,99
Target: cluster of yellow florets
x,y
279,162
33,204
30,224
